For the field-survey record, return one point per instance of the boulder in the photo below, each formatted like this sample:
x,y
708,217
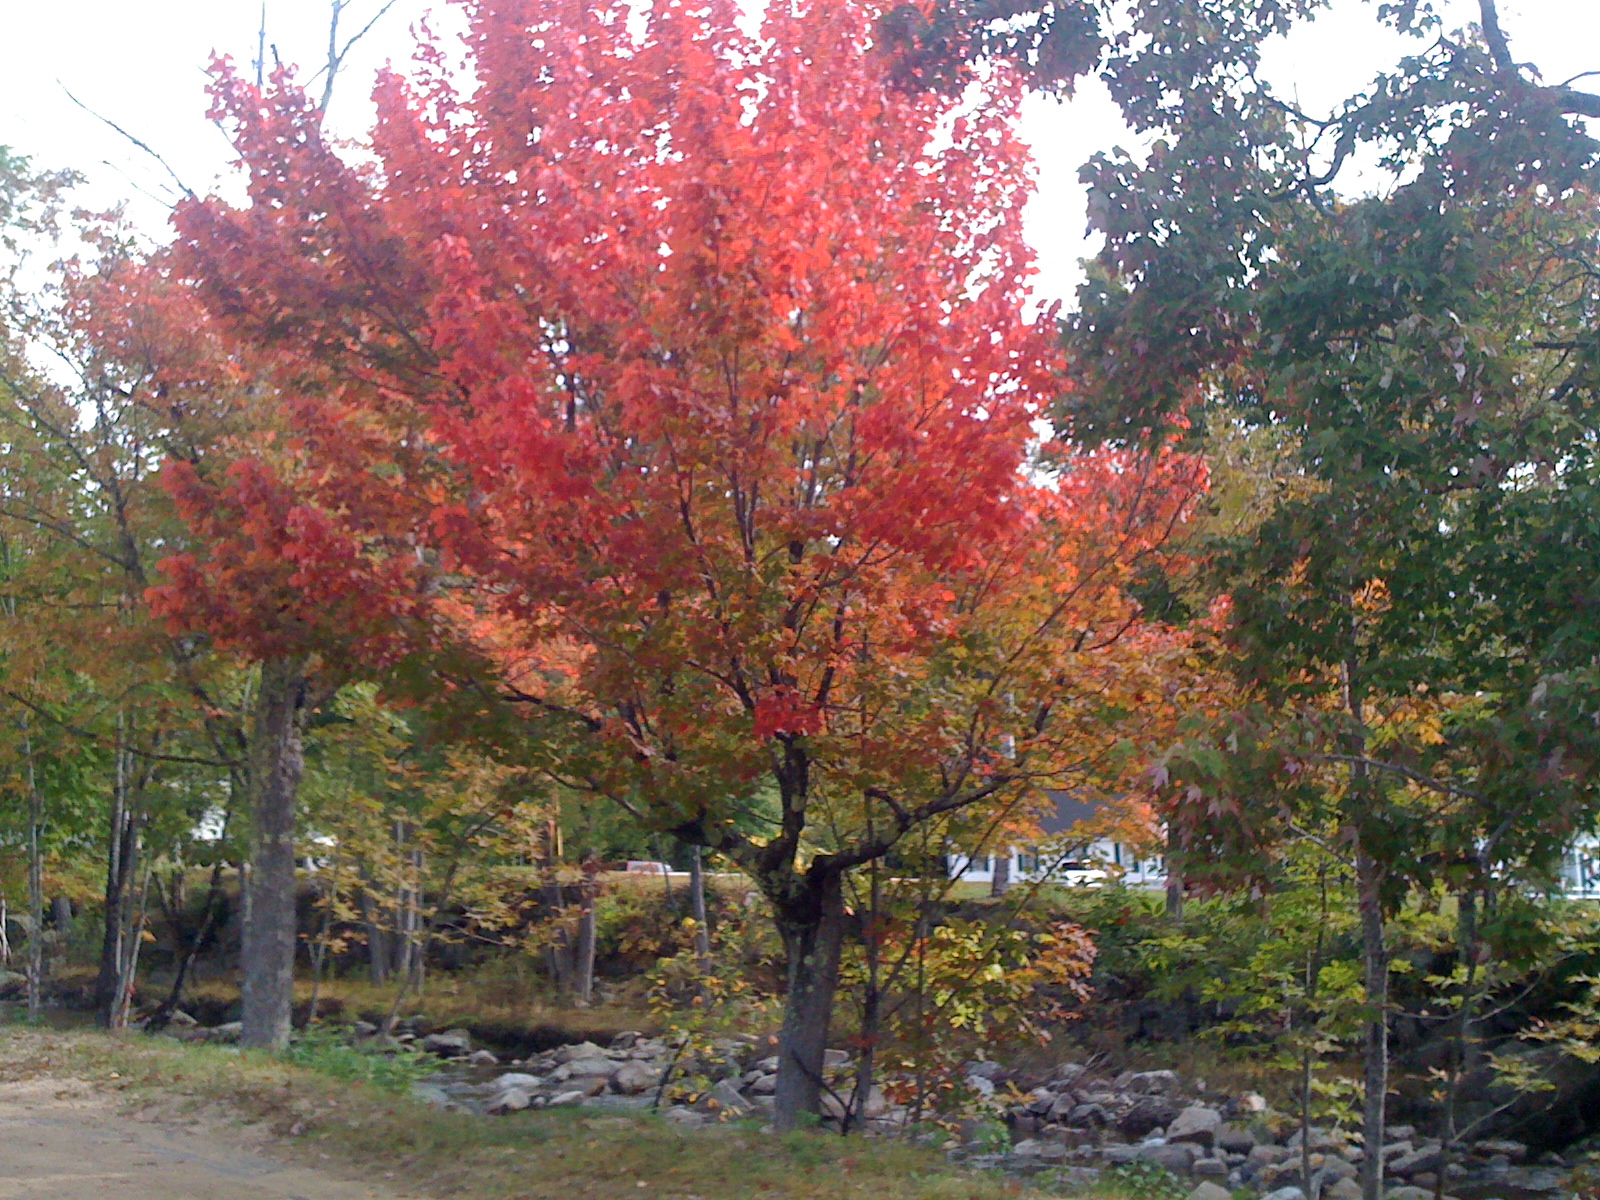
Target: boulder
x,y
516,1079
566,1054
181,1019
625,1040
1342,1189
1408,1193
1210,1168
590,1068
1068,1074
509,1101
1424,1158
631,1078
835,1058
1176,1157
450,1043
725,1097
685,1117
1145,1114
1267,1156
981,1084
983,1069
228,1032
1514,1151
482,1058
1149,1083
1235,1140
765,1086
560,1099
1196,1124
1086,1116
1210,1191
1285,1193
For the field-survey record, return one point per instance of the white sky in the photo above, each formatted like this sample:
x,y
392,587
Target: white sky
x,y
141,64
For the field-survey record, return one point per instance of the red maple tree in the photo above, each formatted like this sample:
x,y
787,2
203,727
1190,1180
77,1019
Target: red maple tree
x,y
711,348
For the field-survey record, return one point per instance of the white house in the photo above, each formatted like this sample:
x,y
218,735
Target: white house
x,y
1058,858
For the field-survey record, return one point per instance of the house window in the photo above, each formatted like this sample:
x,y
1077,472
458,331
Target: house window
x,y
1027,863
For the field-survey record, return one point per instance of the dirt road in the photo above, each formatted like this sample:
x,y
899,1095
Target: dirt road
x,y
60,1139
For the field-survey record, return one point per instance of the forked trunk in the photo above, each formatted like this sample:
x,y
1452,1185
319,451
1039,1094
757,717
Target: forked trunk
x,y
276,765
813,936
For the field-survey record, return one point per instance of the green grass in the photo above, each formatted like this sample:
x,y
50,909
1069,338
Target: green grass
x,y
562,1154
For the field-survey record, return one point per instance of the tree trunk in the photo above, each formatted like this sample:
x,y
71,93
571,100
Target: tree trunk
x,y
1000,881
35,881
813,936
378,952
1375,968
119,874
585,953
1174,878
697,906
276,765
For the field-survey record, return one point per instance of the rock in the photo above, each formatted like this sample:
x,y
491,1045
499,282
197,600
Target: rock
x,y
1396,1150
1267,1156
509,1101
449,1043
1176,1157
1087,1116
1319,1140
1285,1193
1234,1140
1027,1148
1408,1193
626,1040
516,1079
590,1068
631,1078
765,1086
1250,1102
1150,1083
363,1029
1210,1168
725,1097
685,1117
228,1032
1196,1124
560,1099
1424,1158
566,1054
981,1085
1342,1189
1514,1151
181,1019
1399,1133
482,1058
835,1058
1335,1167
1210,1191
1147,1113
1119,1155
1068,1074
768,1064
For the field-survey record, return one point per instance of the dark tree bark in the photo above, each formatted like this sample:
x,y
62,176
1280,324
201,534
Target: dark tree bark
x,y
276,765
120,843
1000,880
584,965
813,927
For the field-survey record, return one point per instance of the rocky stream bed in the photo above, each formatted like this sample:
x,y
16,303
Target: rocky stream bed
x,y
1072,1124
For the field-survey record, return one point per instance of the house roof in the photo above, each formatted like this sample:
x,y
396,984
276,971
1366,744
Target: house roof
x,y
1069,811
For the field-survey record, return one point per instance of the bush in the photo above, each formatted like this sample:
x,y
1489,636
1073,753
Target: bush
x,y
324,1049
